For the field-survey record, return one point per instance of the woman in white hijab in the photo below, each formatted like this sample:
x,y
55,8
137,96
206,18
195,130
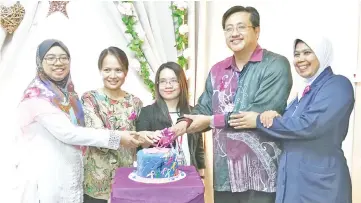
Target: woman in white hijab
x,y
312,167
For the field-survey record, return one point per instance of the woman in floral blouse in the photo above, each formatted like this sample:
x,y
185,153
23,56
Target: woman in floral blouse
x,y
109,107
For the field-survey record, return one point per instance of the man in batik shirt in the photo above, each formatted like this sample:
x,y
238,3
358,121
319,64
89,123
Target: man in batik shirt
x,y
253,79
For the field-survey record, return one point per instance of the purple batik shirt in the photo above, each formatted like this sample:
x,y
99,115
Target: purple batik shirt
x,y
244,159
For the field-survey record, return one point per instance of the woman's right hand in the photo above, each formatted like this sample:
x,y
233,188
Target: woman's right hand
x,y
267,118
147,138
129,139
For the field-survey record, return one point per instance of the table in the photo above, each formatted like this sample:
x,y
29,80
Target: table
x,y
187,190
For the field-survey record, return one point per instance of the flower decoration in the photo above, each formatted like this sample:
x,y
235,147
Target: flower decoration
x,y
136,36
180,12
126,8
181,5
168,137
186,53
183,29
132,116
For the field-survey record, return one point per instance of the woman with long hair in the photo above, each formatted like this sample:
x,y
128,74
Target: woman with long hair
x,y
172,103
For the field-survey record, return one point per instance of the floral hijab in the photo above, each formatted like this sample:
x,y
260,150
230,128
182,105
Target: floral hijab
x,y
60,93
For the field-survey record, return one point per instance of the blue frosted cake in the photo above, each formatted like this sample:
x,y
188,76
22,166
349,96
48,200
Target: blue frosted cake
x,y
157,163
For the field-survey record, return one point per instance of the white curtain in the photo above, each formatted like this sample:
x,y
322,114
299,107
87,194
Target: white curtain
x,y
12,46
90,28
202,68
3,35
356,153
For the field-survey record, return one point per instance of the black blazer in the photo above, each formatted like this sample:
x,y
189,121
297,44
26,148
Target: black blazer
x,y
147,122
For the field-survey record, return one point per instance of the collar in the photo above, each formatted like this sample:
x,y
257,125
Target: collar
x,y
256,56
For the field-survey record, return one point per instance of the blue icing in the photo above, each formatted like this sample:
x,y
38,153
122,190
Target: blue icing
x,y
157,165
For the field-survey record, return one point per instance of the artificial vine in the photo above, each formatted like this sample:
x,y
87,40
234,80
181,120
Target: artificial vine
x,y
180,13
135,45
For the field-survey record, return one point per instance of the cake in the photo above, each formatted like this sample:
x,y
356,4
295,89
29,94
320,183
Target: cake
x,y
157,163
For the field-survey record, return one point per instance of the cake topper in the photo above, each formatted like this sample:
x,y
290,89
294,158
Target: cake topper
x,y
168,136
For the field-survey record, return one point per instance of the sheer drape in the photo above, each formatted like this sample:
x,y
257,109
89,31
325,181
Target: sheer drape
x,y
202,68
89,29
356,153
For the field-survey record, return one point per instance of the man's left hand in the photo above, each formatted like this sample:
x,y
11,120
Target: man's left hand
x,y
243,120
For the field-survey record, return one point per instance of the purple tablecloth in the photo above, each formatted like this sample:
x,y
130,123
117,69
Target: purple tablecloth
x,y
187,190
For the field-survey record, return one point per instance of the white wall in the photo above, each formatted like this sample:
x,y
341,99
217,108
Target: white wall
x,y
280,23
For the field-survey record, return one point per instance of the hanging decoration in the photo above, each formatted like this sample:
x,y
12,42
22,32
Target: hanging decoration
x,y
58,6
180,13
11,17
129,18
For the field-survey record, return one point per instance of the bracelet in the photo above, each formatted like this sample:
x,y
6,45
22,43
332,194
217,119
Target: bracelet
x,y
188,120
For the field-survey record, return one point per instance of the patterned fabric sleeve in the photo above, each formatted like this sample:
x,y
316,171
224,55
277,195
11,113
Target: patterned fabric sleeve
x,y
114,140
91,114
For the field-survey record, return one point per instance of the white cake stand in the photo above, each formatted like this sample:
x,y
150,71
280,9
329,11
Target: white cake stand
x,y
133,176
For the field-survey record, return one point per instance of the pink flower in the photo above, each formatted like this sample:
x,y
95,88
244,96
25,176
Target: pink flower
x,y
132,116
167,138
32,92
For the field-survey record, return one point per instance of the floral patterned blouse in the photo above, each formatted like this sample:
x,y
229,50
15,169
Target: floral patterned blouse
x,y
100,163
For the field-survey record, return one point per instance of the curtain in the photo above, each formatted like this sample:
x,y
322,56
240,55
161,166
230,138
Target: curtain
x,y
356,160
90,28
202,69
12,45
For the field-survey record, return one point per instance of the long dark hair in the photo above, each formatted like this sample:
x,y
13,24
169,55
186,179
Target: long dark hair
x,y
183,104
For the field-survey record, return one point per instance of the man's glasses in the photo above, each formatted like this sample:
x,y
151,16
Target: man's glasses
x,y
240,29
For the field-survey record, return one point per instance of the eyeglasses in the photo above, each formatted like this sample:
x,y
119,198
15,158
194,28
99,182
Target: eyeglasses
x,y
51,59
172,82
240,29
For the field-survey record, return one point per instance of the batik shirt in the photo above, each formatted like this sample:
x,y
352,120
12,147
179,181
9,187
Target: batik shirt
x,y
245,159
100,164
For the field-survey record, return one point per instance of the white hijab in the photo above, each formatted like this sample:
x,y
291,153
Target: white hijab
x,y
322,48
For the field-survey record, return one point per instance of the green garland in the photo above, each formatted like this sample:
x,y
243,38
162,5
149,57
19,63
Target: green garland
x,y
136,45
180,18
